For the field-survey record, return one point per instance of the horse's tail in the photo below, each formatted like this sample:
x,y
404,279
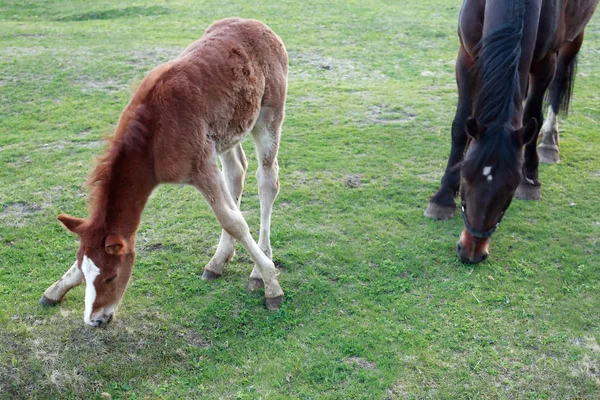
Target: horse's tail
x,y
497,70
561,89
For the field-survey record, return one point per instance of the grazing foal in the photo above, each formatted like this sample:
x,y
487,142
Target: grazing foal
x,y
185,113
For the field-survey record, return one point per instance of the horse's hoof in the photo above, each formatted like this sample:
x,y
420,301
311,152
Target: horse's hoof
x,y
548,154
46,302
255,283
437,211
208,275
526,191
274,303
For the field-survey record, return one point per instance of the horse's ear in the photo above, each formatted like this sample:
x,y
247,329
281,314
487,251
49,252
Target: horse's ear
x,y
115,245
472,128
71,223
526,134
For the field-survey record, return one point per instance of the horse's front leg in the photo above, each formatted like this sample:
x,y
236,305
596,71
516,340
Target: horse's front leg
x,y
541,76
55,293
442,205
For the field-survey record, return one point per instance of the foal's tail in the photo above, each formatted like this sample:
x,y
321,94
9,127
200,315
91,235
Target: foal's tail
x,y
561,88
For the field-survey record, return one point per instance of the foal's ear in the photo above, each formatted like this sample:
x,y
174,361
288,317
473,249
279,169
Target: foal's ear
x,y
526,134
473,129
71,223
115,245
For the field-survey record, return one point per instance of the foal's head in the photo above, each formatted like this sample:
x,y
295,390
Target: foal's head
x,y
490,176
106,261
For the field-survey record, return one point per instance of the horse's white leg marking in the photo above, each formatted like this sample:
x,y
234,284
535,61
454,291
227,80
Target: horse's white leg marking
x,y
69,280
214,189
90,272
234,172
266,135
550,128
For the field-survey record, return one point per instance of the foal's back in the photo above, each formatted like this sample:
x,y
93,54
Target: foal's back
x,y
210,96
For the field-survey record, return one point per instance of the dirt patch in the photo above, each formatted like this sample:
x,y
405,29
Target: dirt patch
x,y
21,161
14,214
89,85
151,57
313,64
359,362
116,13
353,181
383,114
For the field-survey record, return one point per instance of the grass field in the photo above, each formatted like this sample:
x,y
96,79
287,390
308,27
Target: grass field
x,y
377,303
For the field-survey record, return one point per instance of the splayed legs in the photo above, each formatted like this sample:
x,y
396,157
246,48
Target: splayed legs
x,y
212,185
234,171
55,293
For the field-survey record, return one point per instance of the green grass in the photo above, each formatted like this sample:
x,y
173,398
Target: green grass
x,y
377,304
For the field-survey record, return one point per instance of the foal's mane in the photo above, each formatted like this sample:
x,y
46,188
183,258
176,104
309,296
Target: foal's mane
x,y
496,71
134,129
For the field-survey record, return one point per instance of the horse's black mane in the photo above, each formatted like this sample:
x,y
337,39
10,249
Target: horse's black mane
x,y
497,73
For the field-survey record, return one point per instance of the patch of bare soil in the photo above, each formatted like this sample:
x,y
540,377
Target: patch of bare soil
x,y
147,58
383,114
311,64
89,85
353,181
14,214
359,362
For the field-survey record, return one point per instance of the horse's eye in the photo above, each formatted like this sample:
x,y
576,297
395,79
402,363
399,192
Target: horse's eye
x,y
110,279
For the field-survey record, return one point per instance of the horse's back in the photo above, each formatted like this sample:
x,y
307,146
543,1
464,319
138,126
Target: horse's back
x,y
211,95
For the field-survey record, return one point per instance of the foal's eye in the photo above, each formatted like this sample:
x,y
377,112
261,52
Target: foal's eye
x,y
112,278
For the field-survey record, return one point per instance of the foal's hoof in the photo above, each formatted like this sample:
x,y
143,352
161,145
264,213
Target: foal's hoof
x,y
437,211
209,275
526,191
274,303
548,153
46,302
255,283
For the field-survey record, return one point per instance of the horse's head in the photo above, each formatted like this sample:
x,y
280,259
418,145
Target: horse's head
x,y
106,262
490,176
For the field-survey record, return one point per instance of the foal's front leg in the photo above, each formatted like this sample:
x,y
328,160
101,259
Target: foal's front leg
x,y
55,293
234,171
210,182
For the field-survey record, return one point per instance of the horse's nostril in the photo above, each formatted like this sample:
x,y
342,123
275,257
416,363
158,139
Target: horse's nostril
x,y
110,318
459,247
484,256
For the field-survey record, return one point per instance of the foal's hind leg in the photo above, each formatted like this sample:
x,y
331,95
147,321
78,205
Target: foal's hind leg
x,y
210,182
560,92
266,134
55,293
234,171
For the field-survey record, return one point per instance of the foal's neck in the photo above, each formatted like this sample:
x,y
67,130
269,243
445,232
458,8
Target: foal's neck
x,y
130,181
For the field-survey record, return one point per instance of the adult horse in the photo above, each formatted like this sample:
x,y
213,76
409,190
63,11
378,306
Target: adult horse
x,y
507,49
184,115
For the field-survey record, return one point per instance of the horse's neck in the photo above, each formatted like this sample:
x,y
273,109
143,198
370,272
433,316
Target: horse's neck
x,y
130,184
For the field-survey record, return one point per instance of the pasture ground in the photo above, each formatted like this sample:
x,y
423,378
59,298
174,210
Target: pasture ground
x,y
377,304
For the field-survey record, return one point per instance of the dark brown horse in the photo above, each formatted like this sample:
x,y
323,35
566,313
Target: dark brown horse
x,y
509,50
185,115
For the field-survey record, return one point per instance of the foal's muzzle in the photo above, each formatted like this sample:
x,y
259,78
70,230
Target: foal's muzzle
x,y
102,321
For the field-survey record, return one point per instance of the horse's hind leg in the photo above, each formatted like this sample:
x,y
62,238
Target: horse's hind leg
x,y
234,171
212,185
560,93
55,293
266,134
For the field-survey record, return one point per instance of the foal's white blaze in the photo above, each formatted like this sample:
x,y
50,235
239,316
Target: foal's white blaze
x,y
487,171
90,272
